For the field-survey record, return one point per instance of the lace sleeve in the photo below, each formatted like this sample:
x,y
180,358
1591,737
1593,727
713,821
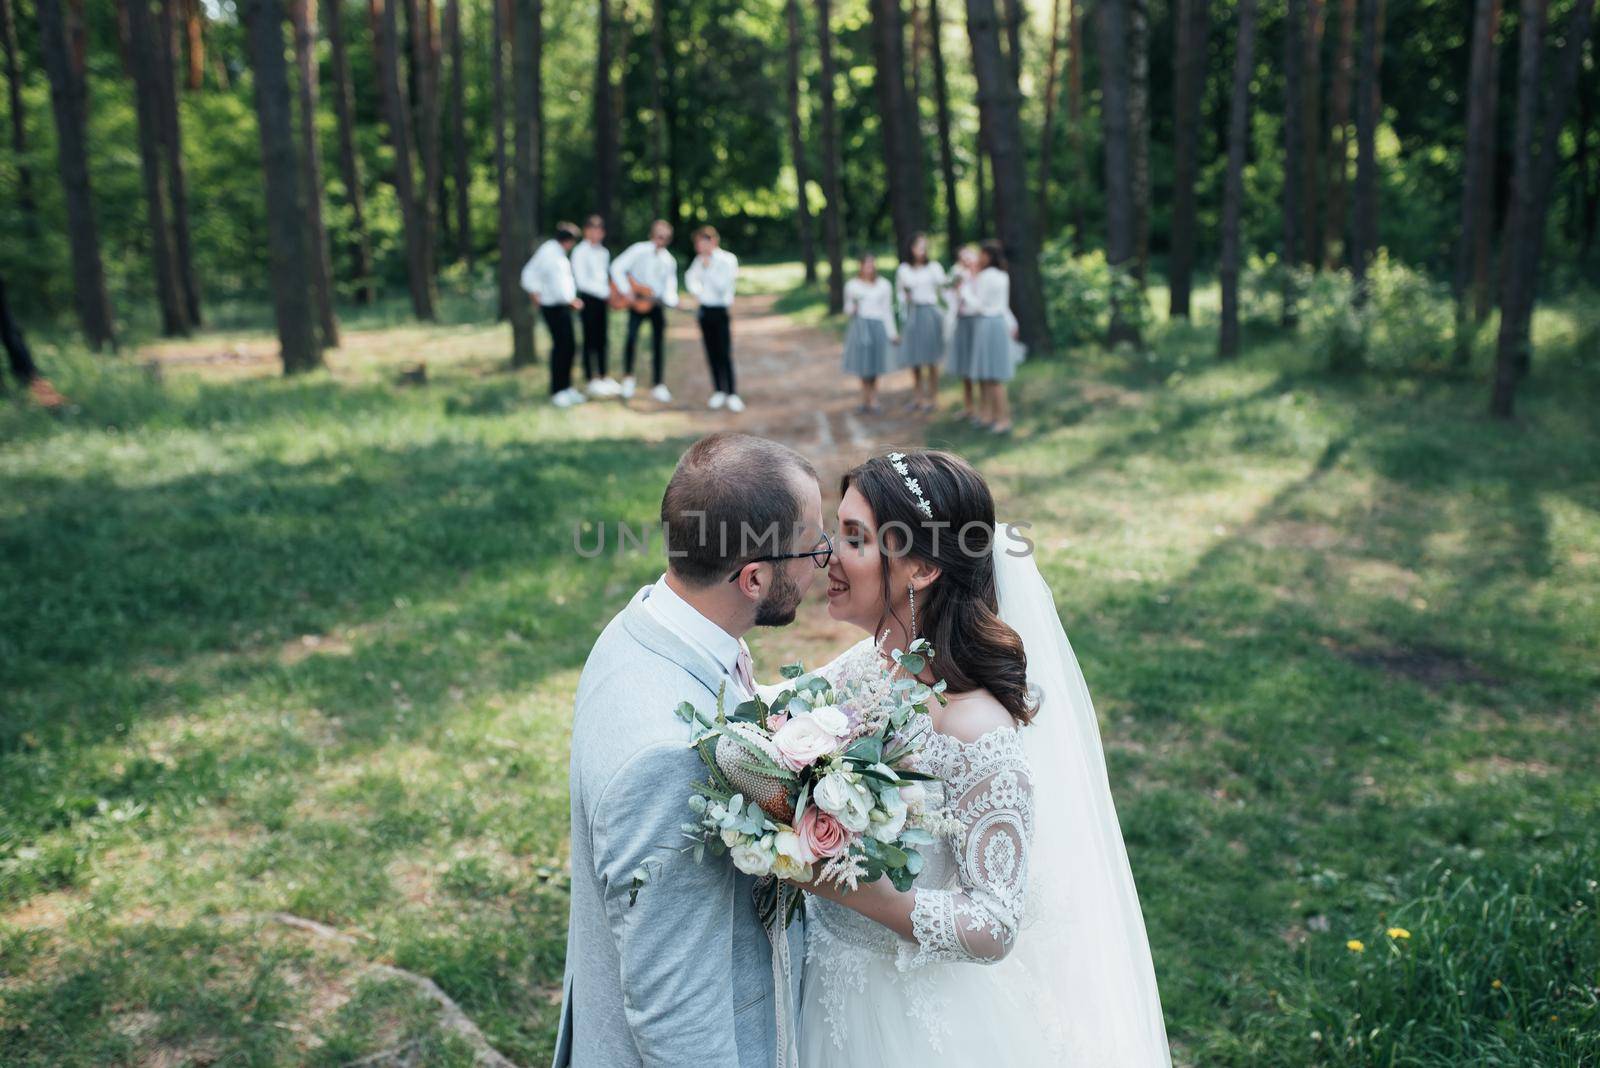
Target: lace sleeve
x,y
991,792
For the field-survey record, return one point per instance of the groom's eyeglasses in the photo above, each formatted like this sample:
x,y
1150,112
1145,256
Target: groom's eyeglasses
x,y
820,557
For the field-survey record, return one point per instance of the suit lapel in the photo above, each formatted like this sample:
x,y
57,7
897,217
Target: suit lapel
x,y
649,632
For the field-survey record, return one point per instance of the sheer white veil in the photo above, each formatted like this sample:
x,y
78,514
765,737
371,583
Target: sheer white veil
x,y
1082,960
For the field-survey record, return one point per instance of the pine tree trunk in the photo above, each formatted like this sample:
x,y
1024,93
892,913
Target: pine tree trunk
x,y
349,162
607,139
1116,117
797,150
1477,191
425,70
1013,45
177,174
1139,131
1233,189
1080,183
1532,188
286,231
1311,125
1000,99
1188,81
194,23
983,201
1293,151
941,100
1335,222
144,54
833,212
1369,112
658,113
397,111
526,30
303,14
460,172
506,267
896,128
18,354
69,102
19,123
1047,133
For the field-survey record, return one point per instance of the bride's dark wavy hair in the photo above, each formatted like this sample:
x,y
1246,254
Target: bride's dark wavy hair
x,y
959,612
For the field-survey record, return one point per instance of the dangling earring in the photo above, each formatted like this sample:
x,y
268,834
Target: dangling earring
x,y
911,595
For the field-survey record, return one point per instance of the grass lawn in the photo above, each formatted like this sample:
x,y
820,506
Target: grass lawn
x,y
309,647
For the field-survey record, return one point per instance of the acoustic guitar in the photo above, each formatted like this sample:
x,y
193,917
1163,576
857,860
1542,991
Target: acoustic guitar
x,y
644,298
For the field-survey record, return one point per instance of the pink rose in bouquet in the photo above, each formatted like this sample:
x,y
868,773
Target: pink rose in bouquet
x,y
821,835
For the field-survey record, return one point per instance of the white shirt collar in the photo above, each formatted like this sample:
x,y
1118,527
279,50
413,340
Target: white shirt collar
x,y
685,620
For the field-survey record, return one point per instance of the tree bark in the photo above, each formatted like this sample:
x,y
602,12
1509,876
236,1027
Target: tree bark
x,y
1335,224
1139,131
658,113
194,23
144,54
1116,118
1311,125
833,212
460,171
397,111
1369,112
425,69
607,137
1048,131
349,162
303,14
286,231
1233,189
1014,19
506,267
1293,151
19,122
1477,192
896,127
1080,182
525,41
797,150
1532,185
1000,100
18,354
1188,81
941,99
177,174
69,102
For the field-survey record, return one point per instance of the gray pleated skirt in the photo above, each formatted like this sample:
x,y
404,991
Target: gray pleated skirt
x,y
922,341
959,362
867,353
992,357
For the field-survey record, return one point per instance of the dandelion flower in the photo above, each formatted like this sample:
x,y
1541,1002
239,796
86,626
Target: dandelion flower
x,y
1355,945
1399,933
1496,984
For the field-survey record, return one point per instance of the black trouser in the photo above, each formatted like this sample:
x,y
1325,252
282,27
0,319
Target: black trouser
x,y
717,333
658,339
594,336
563,346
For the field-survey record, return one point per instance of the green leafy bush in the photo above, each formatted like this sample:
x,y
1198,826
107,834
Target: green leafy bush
x,y
1080,291
1407,323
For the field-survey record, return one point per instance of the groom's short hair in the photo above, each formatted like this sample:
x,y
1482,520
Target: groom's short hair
x,y
731,498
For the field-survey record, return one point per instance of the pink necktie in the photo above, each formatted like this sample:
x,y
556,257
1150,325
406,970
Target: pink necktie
x,y
745,668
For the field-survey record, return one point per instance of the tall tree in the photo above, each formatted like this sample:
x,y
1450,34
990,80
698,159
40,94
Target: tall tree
x,y
659,120
1533,178
460,172
1293,151
425,60
397,111
177,173
1334,221
896,123
1233,188
349,163
1369,112
941,101
527,28
607,134
1117,119
144,57
303,14
69,103
1311,124
1047,132
1014,19
1477,193
1080,182
1000,100
194,31
18,355
832,187
19,122
506,266
1139,130
1192,25
286,231
797,150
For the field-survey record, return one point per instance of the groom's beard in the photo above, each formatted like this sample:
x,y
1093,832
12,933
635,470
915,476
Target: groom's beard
x,y
778,607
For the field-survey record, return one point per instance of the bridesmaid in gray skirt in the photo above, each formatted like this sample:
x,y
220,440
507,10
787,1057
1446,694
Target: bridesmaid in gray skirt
x,y
917,286
962,295
993,360
868,352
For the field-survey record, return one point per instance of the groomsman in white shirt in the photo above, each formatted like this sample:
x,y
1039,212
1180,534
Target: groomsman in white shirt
x,y
647,276
711,278
548,279
591,268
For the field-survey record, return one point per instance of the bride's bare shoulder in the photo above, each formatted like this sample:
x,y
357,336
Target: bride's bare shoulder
x,y
969,716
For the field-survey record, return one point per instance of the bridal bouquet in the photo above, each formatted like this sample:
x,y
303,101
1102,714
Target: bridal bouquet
x,y
817,783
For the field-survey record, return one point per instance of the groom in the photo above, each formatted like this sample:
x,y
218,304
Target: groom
x,y
684,974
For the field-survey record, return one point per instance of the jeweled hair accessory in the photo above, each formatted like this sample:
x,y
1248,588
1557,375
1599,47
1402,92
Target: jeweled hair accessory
x,y
898,461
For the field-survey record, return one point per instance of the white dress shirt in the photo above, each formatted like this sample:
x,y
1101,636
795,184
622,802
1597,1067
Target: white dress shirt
x,y
713,283
966,295
548,275
870,300
918,285
652,266
991,292
591,268
685,620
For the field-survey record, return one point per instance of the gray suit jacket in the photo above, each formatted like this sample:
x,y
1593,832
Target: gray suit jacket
x,y
683,976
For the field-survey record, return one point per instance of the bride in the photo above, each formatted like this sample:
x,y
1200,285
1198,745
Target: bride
x,y
1034,883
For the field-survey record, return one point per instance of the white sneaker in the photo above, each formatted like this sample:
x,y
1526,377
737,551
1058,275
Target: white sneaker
x,y
578,396
562,399
596,387
610,387
735,405
718,399
626,389
662,393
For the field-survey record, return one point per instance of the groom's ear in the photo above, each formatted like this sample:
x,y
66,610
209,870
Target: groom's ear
x,y
749,580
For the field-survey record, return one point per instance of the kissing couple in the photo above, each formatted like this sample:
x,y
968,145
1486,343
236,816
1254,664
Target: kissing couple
x,y
1021,942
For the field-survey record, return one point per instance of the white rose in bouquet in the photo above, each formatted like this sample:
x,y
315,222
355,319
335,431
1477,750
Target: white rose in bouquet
x,y
793,860
803,741
832,720
844,800
753,858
